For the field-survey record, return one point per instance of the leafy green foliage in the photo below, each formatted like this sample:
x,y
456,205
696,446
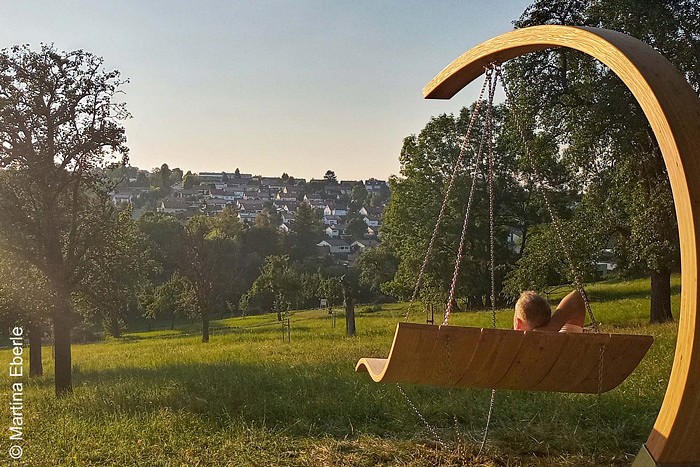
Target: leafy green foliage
x,y
602,133
60,128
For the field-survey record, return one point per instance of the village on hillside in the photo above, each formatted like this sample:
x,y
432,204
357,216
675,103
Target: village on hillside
x,y
350,211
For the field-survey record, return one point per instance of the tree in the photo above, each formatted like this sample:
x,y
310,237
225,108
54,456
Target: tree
x,y
305,232
25,300
169,300
349,283
176,175
331,290
109,290
427,162
189,181
59,128
356,228
359,195
166,238
277,287
212,263
589,112
164,182
376,266
330,177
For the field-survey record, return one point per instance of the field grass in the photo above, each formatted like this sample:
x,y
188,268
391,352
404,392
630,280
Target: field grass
x,y
163,398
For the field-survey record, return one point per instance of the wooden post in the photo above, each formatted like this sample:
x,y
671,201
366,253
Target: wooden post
x,y
673,111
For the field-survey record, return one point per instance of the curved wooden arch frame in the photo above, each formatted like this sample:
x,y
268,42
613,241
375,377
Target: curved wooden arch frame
x,y
673,110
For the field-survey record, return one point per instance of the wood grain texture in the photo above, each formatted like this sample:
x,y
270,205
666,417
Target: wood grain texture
x,y
458,356
673,111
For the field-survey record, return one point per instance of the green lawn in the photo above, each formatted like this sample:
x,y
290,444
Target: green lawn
x,y
165,399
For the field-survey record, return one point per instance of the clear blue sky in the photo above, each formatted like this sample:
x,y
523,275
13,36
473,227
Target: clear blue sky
x,y
270,86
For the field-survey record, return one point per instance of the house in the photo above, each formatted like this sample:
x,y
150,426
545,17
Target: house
x,y
125,195
284,228
372,185
272,183
215,206
122,198
250,205
288,217
331,220
334,231
345,186
223,194
333,210
288,206
314,198
334,246
212,177
362,245
374,231
604,268
188,193
237,191
372,221
251,192
290,193
173,206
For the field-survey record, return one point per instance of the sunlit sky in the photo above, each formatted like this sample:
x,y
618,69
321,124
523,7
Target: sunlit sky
x,y
270,86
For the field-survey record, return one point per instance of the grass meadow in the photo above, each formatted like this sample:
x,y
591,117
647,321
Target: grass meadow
x,y
163,398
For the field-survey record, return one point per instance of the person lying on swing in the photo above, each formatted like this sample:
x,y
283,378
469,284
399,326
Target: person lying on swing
x,y
533,313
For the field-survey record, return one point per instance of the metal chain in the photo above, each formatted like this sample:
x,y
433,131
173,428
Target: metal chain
x,y
453,176
492,223
488,422
578,281
492,228
462,240
430,428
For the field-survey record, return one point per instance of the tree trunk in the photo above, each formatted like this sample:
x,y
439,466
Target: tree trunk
x,y
172,322
62,351
660,296
36,367
350,316
115,328
205,324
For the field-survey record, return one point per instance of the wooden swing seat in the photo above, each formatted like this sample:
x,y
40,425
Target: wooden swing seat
x,y
507,359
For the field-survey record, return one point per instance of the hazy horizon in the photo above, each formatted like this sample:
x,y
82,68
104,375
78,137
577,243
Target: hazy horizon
x,y
273,86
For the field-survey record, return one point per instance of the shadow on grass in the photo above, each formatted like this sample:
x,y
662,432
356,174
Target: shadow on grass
x,y
329,399
610,294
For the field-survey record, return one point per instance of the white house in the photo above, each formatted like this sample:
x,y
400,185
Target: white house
x,y
334,245
173,206
331,220
372,221
331,210
333,231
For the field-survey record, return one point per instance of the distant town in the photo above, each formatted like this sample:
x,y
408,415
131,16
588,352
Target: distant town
x,y
350,211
